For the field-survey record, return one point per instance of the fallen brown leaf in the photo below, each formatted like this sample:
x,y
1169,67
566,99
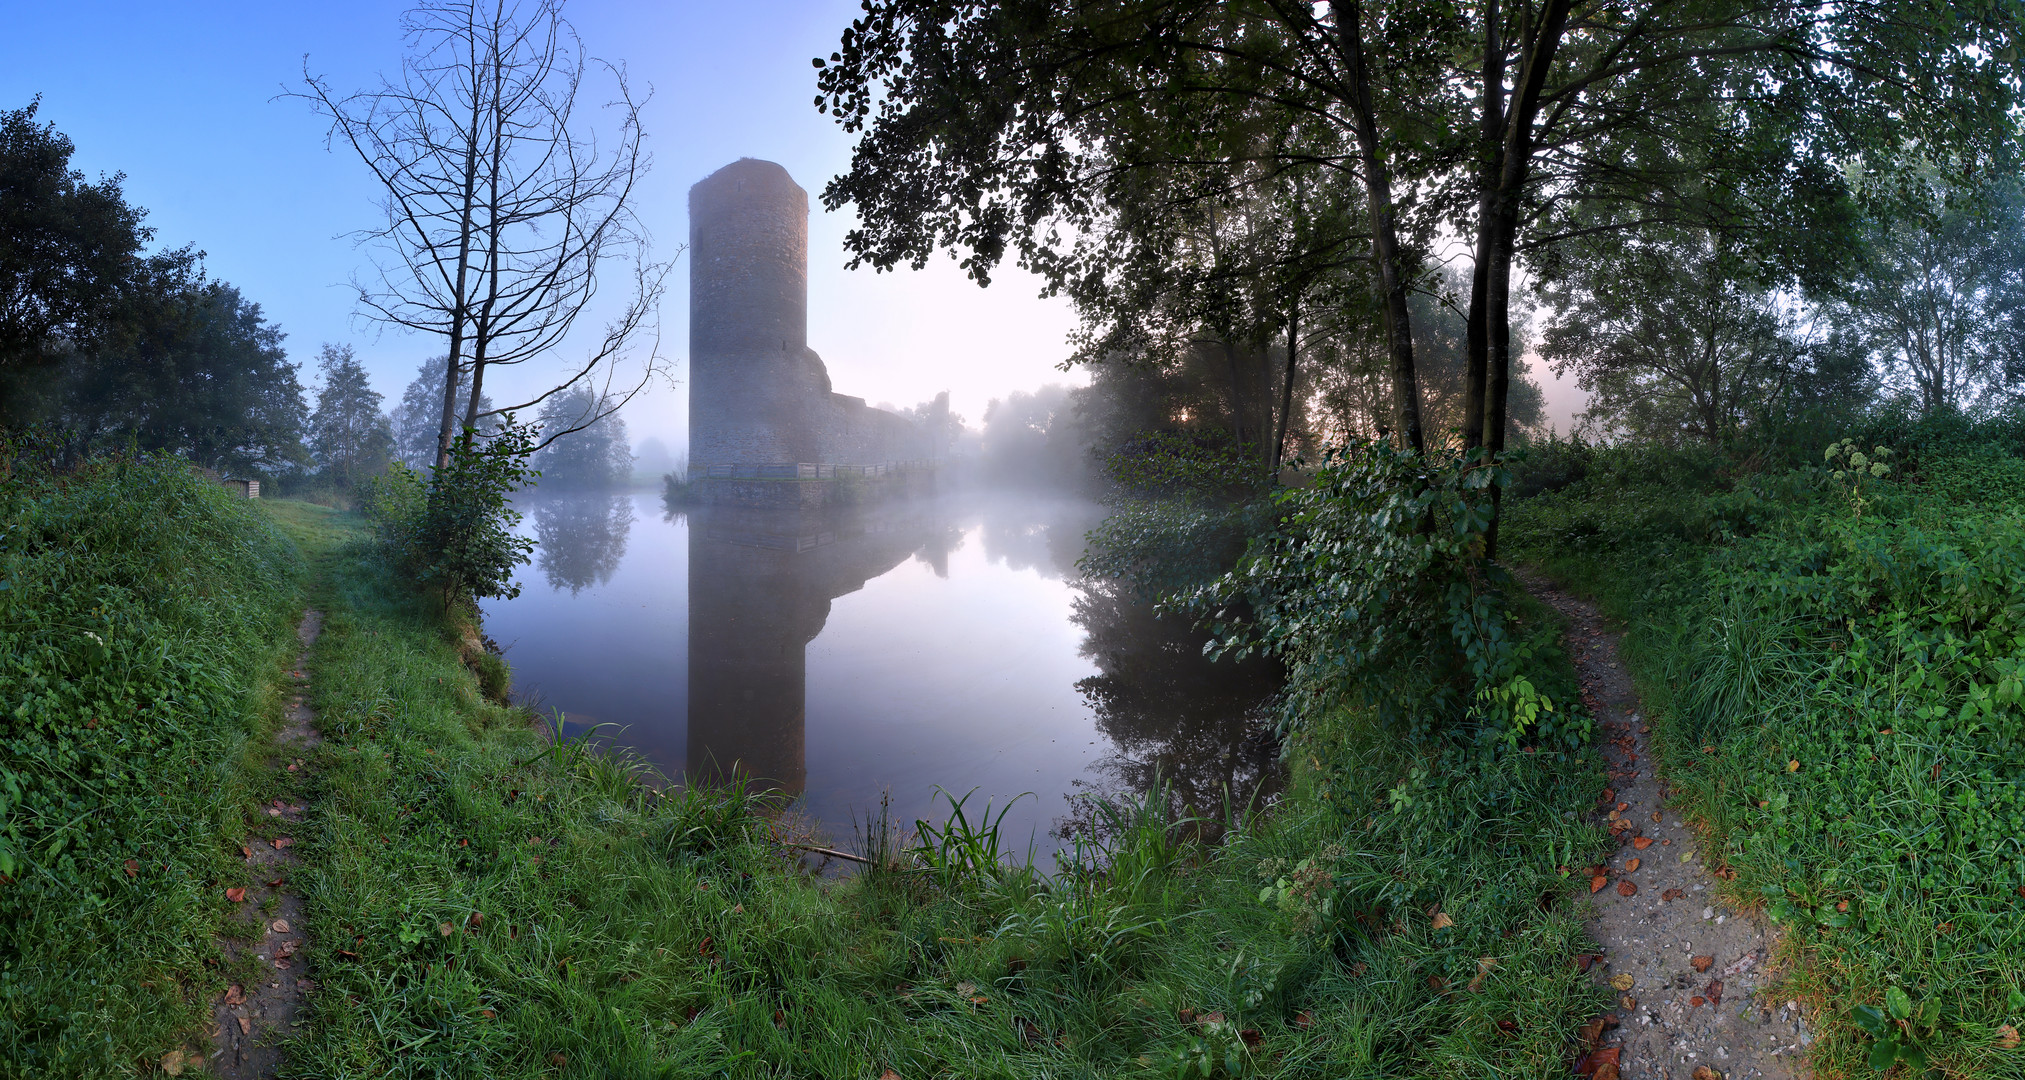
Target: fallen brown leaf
x,y
174,1062
1252,1037
2007,1037
1484,966
1641,842
445,929
1655,817
133,867
281,926
1621,981
1696,1002
889,1074
1305,1020
1702,963
1631,867
1597,883
281,842
245,1025
558,1060
1442,921
1715,992
1671,894
236,894
235,995
1703,1072
1626,888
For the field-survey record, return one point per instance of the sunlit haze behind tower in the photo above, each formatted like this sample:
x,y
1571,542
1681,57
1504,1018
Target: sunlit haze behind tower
x,y
186,102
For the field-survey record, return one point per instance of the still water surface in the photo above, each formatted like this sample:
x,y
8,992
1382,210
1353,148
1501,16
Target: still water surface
x,y
938,642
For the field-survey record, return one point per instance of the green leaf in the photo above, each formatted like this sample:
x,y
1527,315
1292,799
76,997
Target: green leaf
x,y
1883,1054
1871,1019
1900,1005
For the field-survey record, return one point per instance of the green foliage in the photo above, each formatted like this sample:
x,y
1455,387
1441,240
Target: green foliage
x,y
65,245
1897,1030
1196,466
1853,470
142,616
1840,699
1160,548
597,454
668,933
394,501
463,543
1374,590
348,434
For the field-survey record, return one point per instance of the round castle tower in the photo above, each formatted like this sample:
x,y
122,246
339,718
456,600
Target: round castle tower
x,y
752,378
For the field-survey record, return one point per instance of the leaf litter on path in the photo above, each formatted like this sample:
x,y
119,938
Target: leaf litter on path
x,y
1720,1029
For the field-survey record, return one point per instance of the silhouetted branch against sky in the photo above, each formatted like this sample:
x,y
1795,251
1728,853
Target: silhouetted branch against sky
x,y
501,202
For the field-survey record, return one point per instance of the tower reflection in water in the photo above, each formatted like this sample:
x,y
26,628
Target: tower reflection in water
x,y
760,586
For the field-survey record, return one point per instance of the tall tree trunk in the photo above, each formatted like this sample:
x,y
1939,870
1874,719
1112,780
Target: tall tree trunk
x,y
1502,229
1390,279
460,304
483,324
1476,351
1287,387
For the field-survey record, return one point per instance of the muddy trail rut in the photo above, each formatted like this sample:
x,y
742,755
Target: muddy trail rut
x,y
257,1012
1690,974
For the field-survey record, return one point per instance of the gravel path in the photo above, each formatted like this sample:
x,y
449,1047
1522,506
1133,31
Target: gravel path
x,y
1689,972
253,1017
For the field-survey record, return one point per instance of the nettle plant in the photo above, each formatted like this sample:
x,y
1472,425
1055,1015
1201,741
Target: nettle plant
x,y
1854,469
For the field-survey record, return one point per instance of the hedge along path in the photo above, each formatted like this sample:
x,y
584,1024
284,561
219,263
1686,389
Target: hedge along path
x,y
257,1012
1690,974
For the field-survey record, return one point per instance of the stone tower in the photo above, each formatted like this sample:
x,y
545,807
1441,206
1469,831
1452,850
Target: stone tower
x,y
751,375
758,395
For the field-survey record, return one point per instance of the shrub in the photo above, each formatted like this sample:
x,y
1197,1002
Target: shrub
x,y
1374,589
460,538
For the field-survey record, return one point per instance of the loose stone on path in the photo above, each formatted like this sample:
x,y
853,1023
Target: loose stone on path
x,y
1689,973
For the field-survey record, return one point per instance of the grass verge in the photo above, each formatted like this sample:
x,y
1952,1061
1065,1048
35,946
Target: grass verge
x,y
1833,678
144,619
488,902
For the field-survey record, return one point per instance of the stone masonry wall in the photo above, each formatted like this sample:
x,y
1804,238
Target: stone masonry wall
x,y
758,395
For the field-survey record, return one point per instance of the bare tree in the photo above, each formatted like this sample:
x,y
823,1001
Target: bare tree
x,y
502,207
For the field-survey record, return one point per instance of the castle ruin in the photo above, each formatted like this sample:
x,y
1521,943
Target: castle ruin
x,y
764,425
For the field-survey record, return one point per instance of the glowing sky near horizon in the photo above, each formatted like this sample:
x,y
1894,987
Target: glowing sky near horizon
x,y
185,100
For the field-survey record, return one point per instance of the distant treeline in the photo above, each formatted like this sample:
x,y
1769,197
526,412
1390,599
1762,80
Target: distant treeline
x,y
105,344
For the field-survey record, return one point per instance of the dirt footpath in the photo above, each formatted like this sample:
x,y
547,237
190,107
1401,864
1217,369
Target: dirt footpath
x,y
1689,973
254,1016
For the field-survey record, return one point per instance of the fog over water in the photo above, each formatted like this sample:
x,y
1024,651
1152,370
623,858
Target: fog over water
x,y
915,644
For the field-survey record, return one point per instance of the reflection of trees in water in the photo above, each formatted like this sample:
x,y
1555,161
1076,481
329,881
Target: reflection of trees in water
x,y
1203,728
1049,543
581,538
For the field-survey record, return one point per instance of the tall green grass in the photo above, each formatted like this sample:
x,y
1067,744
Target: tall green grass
x,y
143,615
489,901
1837,696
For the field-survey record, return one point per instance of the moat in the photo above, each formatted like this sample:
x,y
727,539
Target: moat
x,y
919,644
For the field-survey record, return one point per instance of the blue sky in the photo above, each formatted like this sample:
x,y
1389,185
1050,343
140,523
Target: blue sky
x,y
183,98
